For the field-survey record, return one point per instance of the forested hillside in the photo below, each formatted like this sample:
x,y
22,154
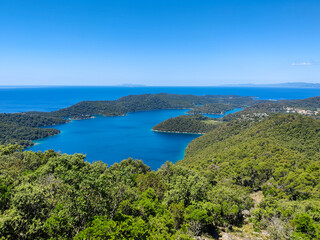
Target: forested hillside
x,y
308,107
15,134
214,108
279,156
30,120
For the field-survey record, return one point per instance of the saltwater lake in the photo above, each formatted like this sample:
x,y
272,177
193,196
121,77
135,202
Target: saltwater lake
x,y
112,139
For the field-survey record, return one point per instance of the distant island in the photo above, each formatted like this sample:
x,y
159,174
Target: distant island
x,y
279,85
131,85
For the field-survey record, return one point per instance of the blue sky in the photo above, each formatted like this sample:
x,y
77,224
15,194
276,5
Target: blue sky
x,y
159,42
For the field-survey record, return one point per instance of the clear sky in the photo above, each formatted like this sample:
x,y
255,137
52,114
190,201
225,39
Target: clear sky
x,y
159,42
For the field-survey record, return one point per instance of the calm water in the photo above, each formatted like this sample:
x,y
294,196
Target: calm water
x,y
112,139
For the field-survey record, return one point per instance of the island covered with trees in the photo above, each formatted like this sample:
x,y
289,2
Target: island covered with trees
x,y
187,124
214,108
248,179
147,102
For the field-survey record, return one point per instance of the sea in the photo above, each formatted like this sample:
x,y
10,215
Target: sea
x,y
112,139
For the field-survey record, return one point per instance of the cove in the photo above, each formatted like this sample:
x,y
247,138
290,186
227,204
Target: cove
x,y
112,139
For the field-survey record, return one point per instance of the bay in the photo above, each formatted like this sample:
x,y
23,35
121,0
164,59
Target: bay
x,y
111,139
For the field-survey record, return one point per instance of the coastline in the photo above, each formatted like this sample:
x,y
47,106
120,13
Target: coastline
x,y
35,141
176,132
76,119
92,117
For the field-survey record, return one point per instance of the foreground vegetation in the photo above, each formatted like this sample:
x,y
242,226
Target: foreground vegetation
x,y
49,195
58,196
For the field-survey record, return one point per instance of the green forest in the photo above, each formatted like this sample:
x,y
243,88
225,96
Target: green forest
x,y
278,156
51,195
214,108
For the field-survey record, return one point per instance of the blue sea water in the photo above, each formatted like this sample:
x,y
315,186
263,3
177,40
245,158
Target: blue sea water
x,y
112,139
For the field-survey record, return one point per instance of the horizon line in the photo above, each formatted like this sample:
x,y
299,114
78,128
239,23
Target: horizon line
x,y
128,85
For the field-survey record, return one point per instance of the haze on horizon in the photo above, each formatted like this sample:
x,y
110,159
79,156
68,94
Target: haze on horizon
x,y
159,42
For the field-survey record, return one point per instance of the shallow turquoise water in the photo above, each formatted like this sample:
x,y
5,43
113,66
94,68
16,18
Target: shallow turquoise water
x,y
112,139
